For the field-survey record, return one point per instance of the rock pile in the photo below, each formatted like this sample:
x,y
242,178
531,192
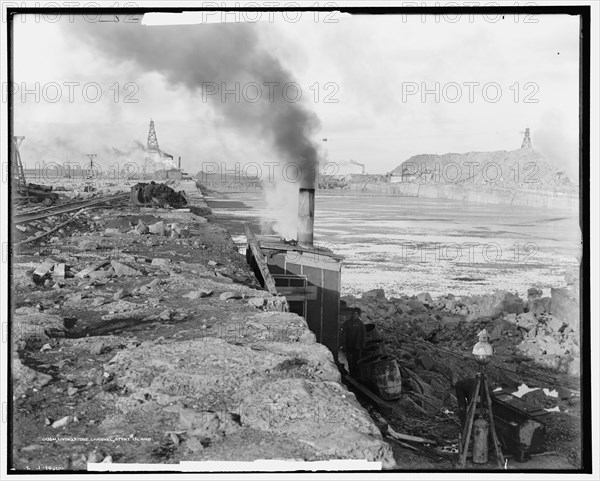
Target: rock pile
x,y
544,329
552,331
157,194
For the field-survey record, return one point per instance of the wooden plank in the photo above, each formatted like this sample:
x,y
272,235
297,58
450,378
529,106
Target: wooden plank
x,y
44,267
261,262
83,273
312,251
314,307
66,208
370,394
318,261
403,445
298,293
331,307
60,270
299,306
408,437
289,280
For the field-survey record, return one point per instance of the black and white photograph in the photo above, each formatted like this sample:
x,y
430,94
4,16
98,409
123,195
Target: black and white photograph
x,y
310,239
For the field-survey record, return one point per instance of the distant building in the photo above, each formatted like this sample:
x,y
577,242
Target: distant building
x,y
344,168
168,174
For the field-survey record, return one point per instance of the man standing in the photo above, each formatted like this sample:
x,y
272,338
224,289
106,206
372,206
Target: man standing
x,y
354,337
464,391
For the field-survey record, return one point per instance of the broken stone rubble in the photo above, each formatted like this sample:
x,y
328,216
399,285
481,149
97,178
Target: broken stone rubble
x,y
256,324
517,327
122,269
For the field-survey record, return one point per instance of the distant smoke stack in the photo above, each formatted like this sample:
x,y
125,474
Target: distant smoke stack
x,y
179,163
359,164
306,217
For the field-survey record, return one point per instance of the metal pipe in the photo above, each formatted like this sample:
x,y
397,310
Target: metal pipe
x,y
306,217
481,432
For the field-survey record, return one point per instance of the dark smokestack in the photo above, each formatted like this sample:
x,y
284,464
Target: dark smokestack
x,y
306,217
179,163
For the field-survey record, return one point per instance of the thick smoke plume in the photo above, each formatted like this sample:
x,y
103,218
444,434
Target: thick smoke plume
x,y
63,154
157,160
220,55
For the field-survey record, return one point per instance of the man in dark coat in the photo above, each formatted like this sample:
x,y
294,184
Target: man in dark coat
x,y
354,337
464,391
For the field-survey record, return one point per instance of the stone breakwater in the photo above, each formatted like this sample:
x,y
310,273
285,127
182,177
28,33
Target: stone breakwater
x,y
523,177
553,199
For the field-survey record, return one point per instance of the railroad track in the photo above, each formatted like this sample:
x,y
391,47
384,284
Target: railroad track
x,y
65,208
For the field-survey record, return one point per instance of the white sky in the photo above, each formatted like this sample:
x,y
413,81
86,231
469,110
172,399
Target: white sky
x,y
371,60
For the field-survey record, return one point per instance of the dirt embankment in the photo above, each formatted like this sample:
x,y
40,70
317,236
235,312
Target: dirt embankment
x,y
524,168
146,339
522,177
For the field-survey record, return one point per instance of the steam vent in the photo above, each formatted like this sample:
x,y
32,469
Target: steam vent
x,y
308,276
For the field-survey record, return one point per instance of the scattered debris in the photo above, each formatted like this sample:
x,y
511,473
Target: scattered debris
x,y
43,271
85,272
60,271
229,295
65,421
257,301
124,270
198,294
141,227
159,195
159,261
157,229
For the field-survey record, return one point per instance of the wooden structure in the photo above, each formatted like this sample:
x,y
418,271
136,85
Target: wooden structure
x,y
168,174
23,191
521,433
309,277
481,396
18,175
